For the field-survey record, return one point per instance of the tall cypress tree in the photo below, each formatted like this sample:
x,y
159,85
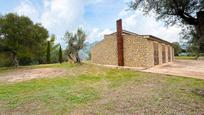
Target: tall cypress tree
x,y
60,54
48,52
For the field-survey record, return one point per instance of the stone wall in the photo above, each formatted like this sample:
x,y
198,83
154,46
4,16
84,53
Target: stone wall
x,y
135,51
166,47
138,51
173,54
160,53
150,54
105,52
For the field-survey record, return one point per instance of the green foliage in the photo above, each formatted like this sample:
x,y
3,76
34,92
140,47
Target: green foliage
x,y
193,45
171,11
177,48
22,38
75,42
54,50
48,52
60,55
186,13
5,60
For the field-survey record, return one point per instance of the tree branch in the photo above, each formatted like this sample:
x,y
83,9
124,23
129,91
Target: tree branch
x,y
185,16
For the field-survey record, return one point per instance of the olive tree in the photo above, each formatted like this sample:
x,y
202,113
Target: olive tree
x,y
75,42
183,12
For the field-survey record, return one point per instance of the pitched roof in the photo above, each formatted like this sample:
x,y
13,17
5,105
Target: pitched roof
x,y
150,37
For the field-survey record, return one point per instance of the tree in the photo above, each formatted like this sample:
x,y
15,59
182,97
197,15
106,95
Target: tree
x,y
20,37
190,37
54,49
177,48
40,35
60,54
184,12
75,44
48,52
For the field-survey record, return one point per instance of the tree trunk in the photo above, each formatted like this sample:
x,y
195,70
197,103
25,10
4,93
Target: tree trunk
x,y
70,58
77,58
15,60
200,30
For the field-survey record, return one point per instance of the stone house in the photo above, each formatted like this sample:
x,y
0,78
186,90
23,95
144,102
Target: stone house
x,y
124,48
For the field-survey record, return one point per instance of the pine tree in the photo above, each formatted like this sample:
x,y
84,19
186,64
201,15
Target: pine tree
x,y
60,54
48,52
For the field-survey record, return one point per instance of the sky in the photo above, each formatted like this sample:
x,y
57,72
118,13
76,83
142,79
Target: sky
x,y
96,17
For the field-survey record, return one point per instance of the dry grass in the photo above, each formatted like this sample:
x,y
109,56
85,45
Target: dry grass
x,y
90,89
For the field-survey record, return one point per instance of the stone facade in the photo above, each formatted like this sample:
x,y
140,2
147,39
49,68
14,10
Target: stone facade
x,y
135,48
105,52
138,50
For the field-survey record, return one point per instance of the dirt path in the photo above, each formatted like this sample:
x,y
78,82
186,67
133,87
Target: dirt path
x,y
25,74
28,74
187,68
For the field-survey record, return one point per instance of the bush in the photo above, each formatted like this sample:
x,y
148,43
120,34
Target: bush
x,y
5,60
25,61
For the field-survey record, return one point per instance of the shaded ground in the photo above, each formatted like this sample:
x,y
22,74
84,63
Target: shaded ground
x,y
187,68
90,89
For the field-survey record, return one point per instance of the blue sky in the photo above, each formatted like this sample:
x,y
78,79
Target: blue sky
x,y
96,17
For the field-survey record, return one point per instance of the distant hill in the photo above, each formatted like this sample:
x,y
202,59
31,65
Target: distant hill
x,y
85,52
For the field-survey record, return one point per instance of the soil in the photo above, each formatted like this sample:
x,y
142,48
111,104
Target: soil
x,y
187,68
28,74
25,74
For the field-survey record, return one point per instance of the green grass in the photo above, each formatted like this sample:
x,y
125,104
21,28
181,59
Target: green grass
x,y
57,65
137,90
185,57
6,69
63,92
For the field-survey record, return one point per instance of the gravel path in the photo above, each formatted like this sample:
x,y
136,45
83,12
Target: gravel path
x,y
187,68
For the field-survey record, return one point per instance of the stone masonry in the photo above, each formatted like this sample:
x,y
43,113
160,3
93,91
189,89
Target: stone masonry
x,y
138,50
105,52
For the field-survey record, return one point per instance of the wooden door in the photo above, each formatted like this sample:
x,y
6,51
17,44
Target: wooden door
x,y
156,54
169,55
163,54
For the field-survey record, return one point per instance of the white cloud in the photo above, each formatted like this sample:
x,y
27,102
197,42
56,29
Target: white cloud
x,y
138,23
61,15
105,31
98,34
92,36
26,8
57,16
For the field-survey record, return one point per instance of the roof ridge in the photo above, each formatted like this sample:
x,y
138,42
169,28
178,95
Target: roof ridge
x,y
133,33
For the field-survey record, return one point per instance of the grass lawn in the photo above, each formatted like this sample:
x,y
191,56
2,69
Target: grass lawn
x,y
91,89
185,57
